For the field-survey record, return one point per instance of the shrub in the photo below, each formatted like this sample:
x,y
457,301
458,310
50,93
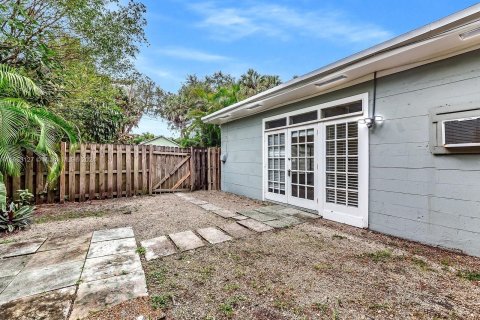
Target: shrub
x,y
17,214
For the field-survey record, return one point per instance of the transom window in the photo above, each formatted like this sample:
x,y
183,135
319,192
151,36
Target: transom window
x,y
341,156
276,163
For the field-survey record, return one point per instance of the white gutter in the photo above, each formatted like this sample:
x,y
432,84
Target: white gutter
x,y
421,34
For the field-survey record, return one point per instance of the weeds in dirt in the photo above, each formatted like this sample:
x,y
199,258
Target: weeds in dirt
x,y
380,255
161,301
469,275
159,275
322,266
339,237
231,287
420,263
68,216
141,250
7,241
320,306
228,307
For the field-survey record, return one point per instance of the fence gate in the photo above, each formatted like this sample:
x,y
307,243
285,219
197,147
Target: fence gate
x,y
171,169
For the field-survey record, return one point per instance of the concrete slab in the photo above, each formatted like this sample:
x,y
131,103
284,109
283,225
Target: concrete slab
x,y
65,242
49,305
12,266
43,259
270,209
236,230
255,225
31,282
259,216
20,248
289,211
239,217
186,240
197,202
4,282
224,213
213,235
97,295
284,223
109,266
209,207
105,248
112,234
158,247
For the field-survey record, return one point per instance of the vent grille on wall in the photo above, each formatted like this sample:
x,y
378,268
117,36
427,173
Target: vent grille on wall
x,y
461,132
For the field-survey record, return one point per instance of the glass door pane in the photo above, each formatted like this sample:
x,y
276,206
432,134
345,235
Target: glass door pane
x,y
302,157
276,163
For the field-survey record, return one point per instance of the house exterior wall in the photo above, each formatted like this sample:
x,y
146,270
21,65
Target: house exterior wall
x,y
413,194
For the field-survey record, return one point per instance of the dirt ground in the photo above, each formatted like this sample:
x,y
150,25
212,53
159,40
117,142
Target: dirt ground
x,y
317,270
150,216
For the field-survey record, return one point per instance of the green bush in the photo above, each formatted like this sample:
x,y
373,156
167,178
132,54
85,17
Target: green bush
x,y
16,214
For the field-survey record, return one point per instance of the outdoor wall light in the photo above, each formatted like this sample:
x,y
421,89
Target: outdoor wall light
x,y
371,121
223,157
470,34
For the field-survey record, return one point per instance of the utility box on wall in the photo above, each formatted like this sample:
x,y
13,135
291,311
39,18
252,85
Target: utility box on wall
x,y
455,130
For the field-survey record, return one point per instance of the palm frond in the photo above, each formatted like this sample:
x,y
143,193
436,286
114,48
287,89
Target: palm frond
x,y
10,79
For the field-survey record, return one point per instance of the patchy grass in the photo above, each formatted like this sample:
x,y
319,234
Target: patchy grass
x,y
159,275
7,241
227,308
420,263
338,237
469,275
230,287
379,255
69,215
161,301
141,250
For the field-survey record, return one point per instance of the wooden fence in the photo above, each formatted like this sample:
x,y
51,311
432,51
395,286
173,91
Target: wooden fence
x,y
99,171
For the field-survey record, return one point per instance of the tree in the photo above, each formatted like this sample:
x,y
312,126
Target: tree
x,y
200,97
23,126
107,30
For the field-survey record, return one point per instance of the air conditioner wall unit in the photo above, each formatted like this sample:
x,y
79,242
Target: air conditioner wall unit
x,y
461,133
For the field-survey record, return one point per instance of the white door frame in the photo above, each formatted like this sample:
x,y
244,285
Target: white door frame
x,y
354,216
320,169
295,201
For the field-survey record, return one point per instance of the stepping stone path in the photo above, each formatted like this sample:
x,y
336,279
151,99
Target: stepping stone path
x,y
69,277
213,235
243,224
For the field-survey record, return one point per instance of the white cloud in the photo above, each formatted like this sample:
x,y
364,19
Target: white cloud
x,y
283,22
190,54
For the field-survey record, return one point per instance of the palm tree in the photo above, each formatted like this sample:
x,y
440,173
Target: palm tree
x,y
27,127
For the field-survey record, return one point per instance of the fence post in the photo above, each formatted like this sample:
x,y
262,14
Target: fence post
x,y
150,170
61,183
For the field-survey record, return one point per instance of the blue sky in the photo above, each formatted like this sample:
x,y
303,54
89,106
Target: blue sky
x,y
280,37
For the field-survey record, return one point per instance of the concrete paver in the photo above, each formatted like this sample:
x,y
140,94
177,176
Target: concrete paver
x,y
197,202
48,305
112,234
259,216
255,225
12,266
239,217
224,213
209,207
62,255
186,240
65,242
112,265
213,235
4,282
117,246
96,295
284,222
31,282
158,247
20,248
236,230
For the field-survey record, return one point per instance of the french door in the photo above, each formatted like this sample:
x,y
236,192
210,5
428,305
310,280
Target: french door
x,y
301,166
345,172
291,166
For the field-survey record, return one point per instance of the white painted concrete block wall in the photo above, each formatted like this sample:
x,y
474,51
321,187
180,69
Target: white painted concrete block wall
x,y
413,194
